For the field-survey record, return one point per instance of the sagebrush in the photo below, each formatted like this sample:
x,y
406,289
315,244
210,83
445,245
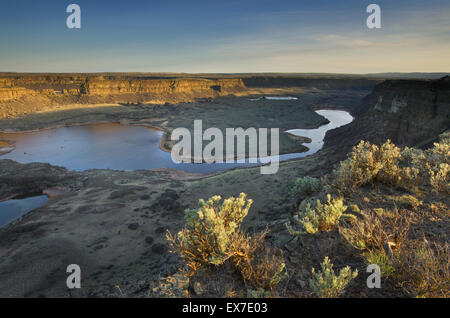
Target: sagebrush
x,y
326,284
306,186
324,217
209,229
212,236
407,168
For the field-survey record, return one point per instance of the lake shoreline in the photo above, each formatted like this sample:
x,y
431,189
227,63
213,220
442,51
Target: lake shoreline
x,y
304,142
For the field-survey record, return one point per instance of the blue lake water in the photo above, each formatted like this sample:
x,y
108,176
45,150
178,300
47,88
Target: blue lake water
x,y
11,210
125,147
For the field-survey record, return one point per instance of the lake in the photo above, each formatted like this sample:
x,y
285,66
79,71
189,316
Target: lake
x,y
11,210
125,147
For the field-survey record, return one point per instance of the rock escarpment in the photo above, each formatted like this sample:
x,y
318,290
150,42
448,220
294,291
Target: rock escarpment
x,y
409,112
414,111
26,94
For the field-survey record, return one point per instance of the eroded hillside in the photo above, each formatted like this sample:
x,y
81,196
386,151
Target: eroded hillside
x,y
408,112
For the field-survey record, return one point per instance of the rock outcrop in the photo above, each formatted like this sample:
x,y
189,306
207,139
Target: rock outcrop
x,y
27,93
409,112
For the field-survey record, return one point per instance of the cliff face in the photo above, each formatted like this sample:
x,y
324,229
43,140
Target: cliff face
x,y
164,86
409,112
414,111
25,94
8,93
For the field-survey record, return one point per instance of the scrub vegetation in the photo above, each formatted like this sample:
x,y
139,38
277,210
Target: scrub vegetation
x,y
212,237
382,206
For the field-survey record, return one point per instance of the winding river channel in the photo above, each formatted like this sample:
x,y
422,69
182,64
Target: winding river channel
x,y
125,147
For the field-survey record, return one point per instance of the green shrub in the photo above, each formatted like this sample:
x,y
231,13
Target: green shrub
x,y
306,186
209,230
368,163
412,157
440,153
388,164
379,258
438,164
326,284
365,164
212,236
440,178
322,218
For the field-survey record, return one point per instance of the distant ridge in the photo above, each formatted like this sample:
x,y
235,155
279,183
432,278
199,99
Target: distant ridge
x,y
168,75
409,75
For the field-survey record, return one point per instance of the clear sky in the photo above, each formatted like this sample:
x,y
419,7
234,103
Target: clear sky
x,y
228,36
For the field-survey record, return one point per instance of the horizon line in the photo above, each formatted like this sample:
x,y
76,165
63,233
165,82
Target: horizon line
x,y
223,73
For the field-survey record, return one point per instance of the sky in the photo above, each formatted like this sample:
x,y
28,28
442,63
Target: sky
x,y
226,36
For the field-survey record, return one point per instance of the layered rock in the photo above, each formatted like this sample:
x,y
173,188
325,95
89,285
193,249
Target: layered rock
x,y
165,86
26,94
409,112
414,111
8,93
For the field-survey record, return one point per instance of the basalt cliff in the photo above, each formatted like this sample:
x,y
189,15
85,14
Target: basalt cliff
x,y
23,94
408,112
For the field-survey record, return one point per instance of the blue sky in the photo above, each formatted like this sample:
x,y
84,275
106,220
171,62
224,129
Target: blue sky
x,y
227,36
